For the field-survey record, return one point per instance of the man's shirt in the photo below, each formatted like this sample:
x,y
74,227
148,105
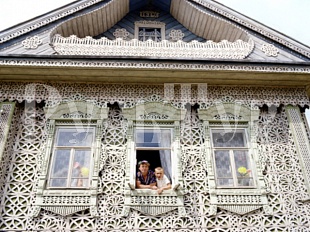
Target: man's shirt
x,y
150,178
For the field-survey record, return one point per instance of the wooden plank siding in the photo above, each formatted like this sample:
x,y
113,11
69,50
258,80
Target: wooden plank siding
x,y
128,23
95,22
215,26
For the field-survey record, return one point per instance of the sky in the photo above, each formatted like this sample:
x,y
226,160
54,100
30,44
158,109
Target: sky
x,y
290,17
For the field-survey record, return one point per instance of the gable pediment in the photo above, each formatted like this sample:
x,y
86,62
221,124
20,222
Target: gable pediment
x,y
219,36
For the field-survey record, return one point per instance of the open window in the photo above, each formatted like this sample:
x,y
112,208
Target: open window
x,y
154,135
234,167
155,146
68,180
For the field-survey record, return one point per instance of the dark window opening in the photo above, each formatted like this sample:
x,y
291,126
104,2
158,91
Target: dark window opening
x,y
153,157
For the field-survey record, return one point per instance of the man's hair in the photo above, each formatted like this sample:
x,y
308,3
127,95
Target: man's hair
x,y
159,169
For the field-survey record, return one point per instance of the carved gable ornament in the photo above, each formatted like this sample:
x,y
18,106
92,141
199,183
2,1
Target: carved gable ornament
x,y
150,39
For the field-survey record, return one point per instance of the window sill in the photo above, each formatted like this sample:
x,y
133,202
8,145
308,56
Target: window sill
x,y
150,192
66,192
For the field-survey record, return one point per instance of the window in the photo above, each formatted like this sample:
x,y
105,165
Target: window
x,y
69,176
234,167
231,158
150,30
149,33
154,135
154,145
72,157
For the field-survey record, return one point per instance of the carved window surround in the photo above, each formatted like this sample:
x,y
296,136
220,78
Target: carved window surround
x,y
237,200
145,200
104,47
70,200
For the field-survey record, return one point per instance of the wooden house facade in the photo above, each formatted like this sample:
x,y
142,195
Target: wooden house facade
x,y
215,98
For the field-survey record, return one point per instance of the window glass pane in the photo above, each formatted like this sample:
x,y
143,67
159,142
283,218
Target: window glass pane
x,y
74,137
223,168
243,168
81,168
150,33
228,139
153,137
61,163
58,183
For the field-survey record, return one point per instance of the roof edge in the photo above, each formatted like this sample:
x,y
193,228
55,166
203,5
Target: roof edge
x,y
255,26
44,19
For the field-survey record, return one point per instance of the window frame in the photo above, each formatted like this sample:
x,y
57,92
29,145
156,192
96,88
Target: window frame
x,y
160,115
75,148
156,126
247,148
150,25
239,200
66,201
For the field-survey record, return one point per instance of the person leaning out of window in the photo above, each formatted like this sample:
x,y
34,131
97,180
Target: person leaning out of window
x,y
145,177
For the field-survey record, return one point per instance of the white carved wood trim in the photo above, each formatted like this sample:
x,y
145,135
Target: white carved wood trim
x,y
143,200
6,114
301,141
237,200
74,45
223,111
68,201
76,109
160,111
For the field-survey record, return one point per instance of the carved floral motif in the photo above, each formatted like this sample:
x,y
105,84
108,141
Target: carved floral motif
x,y
270,50
32,42
176,35
121,33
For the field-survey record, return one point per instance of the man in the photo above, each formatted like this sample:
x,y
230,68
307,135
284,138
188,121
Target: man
x,y
163,183
145,177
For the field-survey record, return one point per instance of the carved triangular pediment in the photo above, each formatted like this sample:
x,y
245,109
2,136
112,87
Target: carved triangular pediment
x,y
99,22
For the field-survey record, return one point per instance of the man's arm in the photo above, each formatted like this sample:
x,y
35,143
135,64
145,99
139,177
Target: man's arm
x,y
143,186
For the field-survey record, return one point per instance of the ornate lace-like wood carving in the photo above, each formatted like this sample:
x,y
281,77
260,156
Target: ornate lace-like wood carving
x,y
242,200
277,150
32,42
176,35
270,50
144,200
302,143
121,33
6,114
65,201
104,47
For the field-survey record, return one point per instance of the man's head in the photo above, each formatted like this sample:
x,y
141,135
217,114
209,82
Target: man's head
x,y
144,166
159,173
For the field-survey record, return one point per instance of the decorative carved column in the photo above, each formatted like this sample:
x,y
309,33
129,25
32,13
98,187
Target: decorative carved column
x,y
302,143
